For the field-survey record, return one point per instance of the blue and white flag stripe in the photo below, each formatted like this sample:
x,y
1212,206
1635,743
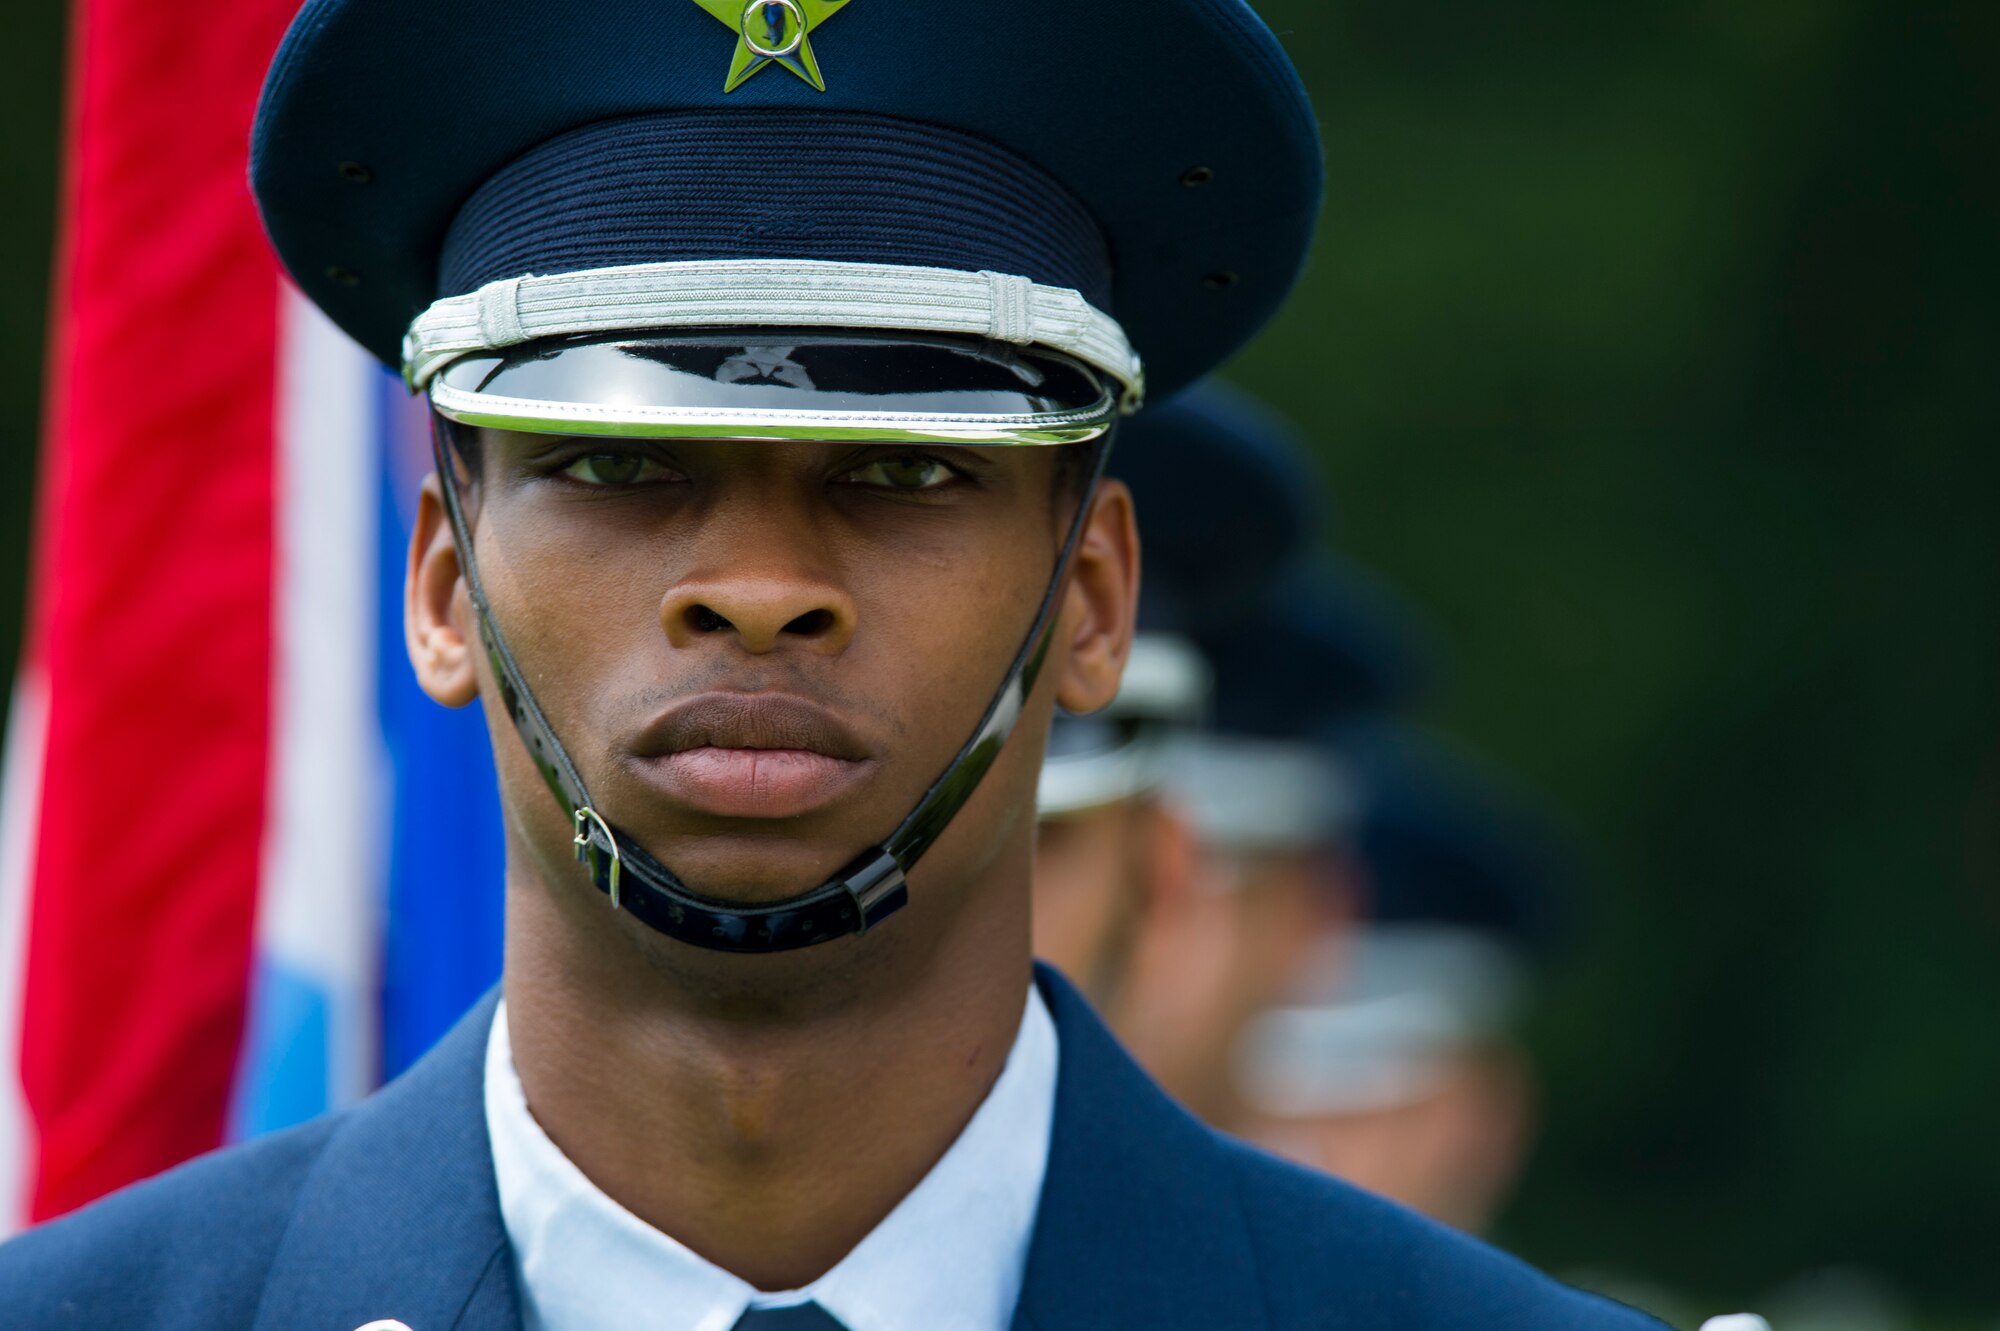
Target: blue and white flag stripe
x,y
380,916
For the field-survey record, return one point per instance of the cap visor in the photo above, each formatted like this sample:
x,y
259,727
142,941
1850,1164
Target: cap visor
x,y
782,384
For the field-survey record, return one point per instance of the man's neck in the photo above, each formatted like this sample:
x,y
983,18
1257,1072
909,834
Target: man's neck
x,y
766,1111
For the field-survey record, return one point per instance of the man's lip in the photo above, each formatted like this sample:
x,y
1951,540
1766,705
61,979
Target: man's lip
x,y
781,723
754,783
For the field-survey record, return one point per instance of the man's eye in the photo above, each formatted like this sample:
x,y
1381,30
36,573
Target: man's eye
x,y
616,469
915,472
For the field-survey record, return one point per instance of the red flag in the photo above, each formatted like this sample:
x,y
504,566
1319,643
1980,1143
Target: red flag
x,y
140,755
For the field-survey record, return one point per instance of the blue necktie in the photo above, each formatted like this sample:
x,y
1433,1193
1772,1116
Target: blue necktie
x,y
798,1317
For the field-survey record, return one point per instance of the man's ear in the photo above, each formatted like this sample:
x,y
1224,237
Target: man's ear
x,y
1102,601
436,615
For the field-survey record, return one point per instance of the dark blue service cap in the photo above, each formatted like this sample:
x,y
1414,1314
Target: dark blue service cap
x,y
1446,842
1285,670
1159,156
1323,640
1225,498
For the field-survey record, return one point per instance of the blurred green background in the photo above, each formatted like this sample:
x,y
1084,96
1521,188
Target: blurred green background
x,y
1648,347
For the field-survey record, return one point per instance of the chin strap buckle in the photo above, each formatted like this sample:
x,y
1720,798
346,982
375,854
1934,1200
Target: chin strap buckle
x,y
875,884
590,853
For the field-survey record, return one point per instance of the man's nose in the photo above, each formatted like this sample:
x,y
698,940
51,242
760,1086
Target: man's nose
x,y
763,611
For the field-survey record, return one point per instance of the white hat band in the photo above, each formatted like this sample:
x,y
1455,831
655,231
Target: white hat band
x,y
790,293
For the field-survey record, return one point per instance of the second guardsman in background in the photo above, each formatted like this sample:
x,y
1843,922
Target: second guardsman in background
x,y
1227,501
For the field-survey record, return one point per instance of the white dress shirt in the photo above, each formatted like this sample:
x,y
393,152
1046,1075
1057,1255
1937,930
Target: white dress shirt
x,y
950,1257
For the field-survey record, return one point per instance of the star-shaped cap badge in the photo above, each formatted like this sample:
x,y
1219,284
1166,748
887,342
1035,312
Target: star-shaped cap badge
x,y
772,32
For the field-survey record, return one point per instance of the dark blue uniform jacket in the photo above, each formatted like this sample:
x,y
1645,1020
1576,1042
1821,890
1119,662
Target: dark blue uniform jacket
x,y
1148,1220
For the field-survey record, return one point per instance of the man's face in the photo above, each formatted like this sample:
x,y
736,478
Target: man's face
x,y
760,655
1262,915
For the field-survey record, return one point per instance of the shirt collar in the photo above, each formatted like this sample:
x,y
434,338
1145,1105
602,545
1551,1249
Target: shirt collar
x,y
950,1257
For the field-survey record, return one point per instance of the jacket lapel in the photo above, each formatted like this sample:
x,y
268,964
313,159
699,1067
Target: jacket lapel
x,y
1139,1223
399,1218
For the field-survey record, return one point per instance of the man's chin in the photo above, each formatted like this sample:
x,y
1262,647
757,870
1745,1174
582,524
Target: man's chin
x,y
748,870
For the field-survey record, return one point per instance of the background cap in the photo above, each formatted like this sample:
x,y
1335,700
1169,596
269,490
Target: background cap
x,y
1446,843
1225,499
1324,641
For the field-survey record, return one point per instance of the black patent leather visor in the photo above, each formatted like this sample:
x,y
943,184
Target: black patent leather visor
x,y
782,384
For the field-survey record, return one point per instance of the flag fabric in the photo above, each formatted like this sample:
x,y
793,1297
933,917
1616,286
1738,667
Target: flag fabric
x,y
246,870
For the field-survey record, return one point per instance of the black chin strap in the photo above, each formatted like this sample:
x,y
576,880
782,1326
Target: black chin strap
x,y
867,891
